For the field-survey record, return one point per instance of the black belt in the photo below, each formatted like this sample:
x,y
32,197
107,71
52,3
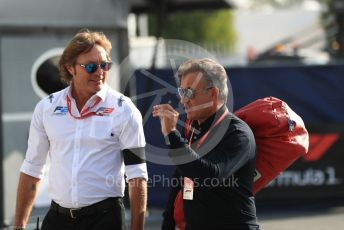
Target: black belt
x,y
107,204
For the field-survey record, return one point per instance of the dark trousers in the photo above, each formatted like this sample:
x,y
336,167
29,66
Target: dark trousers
x,y
111,217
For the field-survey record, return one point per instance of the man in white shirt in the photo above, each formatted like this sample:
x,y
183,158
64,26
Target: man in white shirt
x,y
93,136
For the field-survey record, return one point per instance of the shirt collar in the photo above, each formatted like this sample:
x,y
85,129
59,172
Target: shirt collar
x,y
101,93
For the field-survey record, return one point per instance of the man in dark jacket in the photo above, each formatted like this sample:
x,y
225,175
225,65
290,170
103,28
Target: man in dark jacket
x,y
214,157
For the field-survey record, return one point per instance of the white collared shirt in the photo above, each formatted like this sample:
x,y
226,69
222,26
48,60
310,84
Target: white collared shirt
x,y
86,163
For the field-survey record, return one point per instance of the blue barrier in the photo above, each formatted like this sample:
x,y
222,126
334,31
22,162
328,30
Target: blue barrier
x,y
314,92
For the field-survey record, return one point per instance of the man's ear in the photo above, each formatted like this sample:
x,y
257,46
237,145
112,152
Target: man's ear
x,y
70,69
215,93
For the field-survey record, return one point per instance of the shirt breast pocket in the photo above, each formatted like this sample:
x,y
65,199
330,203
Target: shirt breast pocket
x,y
101,128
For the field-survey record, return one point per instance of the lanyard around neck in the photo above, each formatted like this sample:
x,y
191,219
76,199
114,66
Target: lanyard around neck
x,y
85,112
205,136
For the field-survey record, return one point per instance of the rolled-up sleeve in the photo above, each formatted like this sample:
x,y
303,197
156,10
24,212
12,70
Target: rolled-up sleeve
x,y
136,171
38,145
132,138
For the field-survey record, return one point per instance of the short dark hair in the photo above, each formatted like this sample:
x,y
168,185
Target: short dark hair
x,y
82,42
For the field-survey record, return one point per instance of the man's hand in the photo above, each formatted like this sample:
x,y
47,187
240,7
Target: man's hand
x,y
168,117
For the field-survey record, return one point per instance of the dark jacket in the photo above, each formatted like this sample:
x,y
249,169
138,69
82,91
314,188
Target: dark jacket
x,y
222,170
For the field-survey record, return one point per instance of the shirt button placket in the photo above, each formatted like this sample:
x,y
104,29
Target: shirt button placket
x,y
75,165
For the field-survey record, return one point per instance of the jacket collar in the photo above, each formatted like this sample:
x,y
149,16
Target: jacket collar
x,y
205,126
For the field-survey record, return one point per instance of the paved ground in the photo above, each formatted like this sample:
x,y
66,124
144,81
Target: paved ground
x,y
314,215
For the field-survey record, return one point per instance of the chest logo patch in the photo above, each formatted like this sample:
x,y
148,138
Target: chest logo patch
x,y
60,110
103,111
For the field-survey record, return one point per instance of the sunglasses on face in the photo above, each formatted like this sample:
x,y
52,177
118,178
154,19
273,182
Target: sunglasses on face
x,y
92,67
188,92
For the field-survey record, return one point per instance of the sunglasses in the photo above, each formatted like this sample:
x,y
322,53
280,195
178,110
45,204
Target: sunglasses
x,y
92,67
189,93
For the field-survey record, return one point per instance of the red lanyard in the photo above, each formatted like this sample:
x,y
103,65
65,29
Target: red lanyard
x,y
85,112
205,136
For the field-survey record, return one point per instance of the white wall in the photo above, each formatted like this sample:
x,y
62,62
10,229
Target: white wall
x,y
261,29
